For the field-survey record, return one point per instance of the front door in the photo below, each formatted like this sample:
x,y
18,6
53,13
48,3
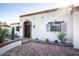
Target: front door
x,y
27,29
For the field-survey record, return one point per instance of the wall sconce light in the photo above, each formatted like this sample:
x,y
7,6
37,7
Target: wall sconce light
x,y
33,26
20,26
42,17
33,18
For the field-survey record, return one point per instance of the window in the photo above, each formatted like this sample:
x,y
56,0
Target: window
x,y
56,26
17,28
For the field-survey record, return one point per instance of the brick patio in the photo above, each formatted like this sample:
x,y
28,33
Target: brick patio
x,y
32,48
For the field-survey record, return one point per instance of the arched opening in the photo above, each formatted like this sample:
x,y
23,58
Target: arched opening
x,y
27,29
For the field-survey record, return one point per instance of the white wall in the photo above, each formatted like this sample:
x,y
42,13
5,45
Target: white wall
x,y
40,24
76,29
15,25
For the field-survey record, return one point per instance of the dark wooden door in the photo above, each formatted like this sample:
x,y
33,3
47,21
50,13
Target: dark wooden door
x,y
27,30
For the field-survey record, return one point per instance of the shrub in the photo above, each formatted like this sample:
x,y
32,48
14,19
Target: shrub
x,y
62,37
36,38
16,35
56,41
47,40
3,33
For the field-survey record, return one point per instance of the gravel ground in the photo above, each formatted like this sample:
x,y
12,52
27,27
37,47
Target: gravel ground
x,y
42,49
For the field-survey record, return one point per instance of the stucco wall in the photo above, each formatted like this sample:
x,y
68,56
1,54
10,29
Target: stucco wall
x,y
16,32
76,29
40,24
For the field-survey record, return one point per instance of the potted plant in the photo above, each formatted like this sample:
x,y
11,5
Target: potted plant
x,y
3,33
62,37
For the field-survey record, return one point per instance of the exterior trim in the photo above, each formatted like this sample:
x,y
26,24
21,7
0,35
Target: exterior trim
x,y
14,23
75,8
30,28
40,12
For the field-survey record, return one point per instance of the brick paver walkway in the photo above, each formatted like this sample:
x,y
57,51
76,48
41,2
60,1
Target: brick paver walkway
x,y
41,49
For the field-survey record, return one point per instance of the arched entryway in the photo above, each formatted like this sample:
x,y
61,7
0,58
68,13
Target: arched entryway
x,y
27,29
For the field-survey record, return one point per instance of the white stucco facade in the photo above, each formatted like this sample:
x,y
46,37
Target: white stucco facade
x,y
15,26
40,24
76,29
40,21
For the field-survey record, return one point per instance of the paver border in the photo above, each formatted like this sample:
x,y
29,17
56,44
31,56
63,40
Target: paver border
x,y
10,46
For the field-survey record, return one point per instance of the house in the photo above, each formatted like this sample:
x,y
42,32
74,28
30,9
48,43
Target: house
x,y
48,24
16,27
5,26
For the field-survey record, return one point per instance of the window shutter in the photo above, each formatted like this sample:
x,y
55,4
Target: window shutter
x,y
47,27
63,27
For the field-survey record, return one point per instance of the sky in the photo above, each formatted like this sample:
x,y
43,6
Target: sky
x,y
10,12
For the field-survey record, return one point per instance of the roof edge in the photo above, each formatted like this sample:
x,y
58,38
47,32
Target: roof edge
x,y
40,12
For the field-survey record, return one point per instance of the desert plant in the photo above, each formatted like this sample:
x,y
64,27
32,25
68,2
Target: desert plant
x,y
56,41
62,37
47,40
16,35
3,33
36,38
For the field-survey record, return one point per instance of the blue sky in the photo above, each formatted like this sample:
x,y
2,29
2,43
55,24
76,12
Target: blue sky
x,y
10,12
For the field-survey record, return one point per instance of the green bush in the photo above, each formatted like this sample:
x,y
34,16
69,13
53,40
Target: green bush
x,y
47,40
3,33
62,37
56,41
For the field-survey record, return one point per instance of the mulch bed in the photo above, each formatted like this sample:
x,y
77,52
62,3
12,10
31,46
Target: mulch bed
x,y
59,43
6,42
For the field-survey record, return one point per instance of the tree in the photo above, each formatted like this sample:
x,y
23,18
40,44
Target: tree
x,y
3,33
4,23
0,22
12,33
